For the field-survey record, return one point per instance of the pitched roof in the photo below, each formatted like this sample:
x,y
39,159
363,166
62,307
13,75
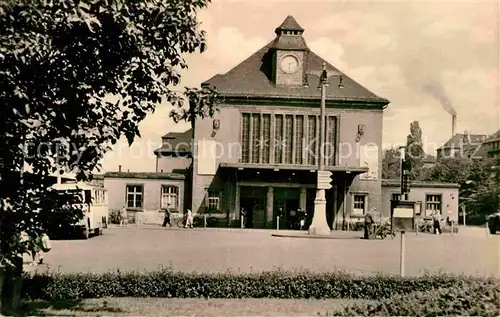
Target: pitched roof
x,y
484,148
481,151
290,24
176,142
253,78
492,137
458,140
287,42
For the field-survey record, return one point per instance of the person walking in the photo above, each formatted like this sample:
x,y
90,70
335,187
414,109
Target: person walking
x,y
166,219
46,247
123,216
436,217
37,250
189,219
369,221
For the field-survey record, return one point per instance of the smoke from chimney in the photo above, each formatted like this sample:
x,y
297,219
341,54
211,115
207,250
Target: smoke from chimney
x,y
425,78
436,90
453,124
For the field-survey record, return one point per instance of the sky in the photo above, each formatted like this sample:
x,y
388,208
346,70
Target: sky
x,y
428,58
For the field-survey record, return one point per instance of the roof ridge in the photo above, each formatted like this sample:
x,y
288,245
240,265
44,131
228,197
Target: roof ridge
x,y
251,78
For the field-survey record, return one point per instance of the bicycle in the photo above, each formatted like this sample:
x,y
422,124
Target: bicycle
x,y
425,227
198,221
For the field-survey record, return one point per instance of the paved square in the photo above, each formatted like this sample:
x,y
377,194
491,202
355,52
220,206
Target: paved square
x,y
214,250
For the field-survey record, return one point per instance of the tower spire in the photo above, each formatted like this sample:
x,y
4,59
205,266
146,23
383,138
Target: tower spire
x,y
289,25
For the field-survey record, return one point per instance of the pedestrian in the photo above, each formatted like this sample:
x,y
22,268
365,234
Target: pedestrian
x,y
38,250
166,219
123,216
46,247
302,216
189,219
436,217
369,221
243,215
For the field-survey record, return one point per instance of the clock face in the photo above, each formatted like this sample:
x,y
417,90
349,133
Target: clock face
x,y
289,64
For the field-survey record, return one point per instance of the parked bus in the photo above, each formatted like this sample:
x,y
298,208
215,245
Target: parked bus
x,y
95,206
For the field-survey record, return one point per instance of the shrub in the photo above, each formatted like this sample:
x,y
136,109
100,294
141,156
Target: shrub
x,y
114,217
274,284
463,299
356,225
427,226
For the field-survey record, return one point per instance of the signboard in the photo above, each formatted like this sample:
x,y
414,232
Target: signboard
x,y
403,215
418,208
324,179
369,157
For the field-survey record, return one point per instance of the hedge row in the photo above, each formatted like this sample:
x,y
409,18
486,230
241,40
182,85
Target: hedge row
x,y
461,300
276,284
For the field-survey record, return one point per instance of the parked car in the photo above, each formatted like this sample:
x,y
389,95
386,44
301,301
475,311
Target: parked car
x,y
493,221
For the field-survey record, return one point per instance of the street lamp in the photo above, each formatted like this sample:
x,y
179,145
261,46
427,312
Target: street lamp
x,y
319,224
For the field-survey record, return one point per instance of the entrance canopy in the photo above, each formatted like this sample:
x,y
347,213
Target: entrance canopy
x,y
302,174
285,167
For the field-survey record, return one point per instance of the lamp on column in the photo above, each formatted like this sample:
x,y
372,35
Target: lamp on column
x,y
319,223
341,82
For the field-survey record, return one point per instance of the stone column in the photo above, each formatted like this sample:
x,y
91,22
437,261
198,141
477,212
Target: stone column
x,y
303,198
270,203
237,203
334,207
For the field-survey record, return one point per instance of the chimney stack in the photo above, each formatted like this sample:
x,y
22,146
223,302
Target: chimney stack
x,y
119,168
453,125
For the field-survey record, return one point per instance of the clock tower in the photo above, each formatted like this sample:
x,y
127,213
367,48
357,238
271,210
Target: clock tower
x,y
289,54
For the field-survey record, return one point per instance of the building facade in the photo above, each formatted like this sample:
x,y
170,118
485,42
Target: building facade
x,y
259,155
145,195
431,197
462,145
490,148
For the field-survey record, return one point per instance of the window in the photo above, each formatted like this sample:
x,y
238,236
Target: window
x,y
98,197
266,131
134,196
331,141
294,138
279,139
213,199
396,197
170,197
432,203
245,142
311,140
255,138
359,205
418,208
288,140
299,135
